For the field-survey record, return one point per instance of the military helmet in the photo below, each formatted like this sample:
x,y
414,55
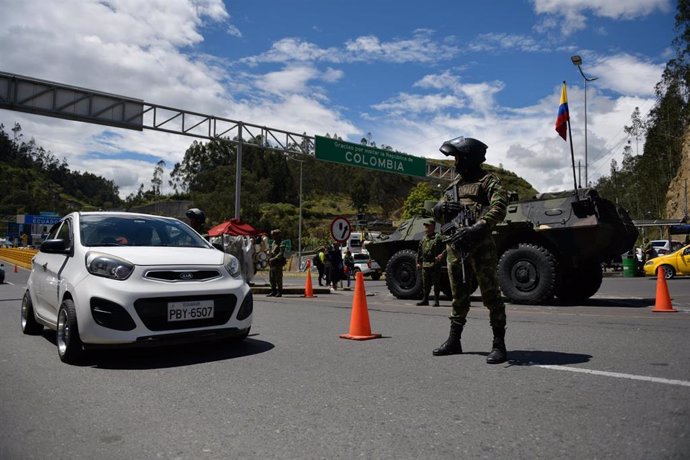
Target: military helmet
x,y
196,214
467,147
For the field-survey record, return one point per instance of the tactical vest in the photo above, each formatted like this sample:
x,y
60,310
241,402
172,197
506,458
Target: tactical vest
x,y
471,194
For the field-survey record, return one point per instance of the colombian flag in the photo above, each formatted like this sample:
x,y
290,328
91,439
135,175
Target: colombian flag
x,y
563,115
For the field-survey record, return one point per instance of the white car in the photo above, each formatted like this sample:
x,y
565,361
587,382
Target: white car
x,y
122,279
367,266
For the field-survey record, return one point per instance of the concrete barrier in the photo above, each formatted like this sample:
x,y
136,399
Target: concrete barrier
x,y
18,256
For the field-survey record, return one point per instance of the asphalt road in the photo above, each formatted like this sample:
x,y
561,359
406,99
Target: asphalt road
x,y
609,379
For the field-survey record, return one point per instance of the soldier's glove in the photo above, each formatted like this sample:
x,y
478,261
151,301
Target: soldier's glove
x,y
447,209
468,237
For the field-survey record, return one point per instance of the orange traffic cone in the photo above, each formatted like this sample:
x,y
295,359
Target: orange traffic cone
x,y
359,321
663,300
308,291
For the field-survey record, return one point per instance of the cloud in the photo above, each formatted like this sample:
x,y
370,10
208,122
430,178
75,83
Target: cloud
x,y
421,48
627,74
469,96
504,41
570,16
148,50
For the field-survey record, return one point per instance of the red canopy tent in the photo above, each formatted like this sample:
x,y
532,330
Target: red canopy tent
x,y
233,227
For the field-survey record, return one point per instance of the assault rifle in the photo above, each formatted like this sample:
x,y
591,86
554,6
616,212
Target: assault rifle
x,y
458,216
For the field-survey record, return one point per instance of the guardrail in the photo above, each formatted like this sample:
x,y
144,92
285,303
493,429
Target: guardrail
x,y
18,256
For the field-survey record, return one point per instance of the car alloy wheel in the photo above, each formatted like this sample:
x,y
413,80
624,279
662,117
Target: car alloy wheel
x,y
67,337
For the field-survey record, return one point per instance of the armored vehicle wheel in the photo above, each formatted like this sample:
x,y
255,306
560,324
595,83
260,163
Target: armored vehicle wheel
x,y
580,284
528,274
402,277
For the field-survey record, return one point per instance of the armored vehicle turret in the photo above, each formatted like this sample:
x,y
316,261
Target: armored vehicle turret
x,y
553,245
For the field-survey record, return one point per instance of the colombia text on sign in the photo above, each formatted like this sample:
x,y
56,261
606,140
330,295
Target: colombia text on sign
x,y
368,157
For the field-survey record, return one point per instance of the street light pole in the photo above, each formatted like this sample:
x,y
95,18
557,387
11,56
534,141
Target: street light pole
x,y
299,230
577,60
299,233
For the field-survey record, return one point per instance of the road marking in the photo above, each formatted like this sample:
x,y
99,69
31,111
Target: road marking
x,y
683,383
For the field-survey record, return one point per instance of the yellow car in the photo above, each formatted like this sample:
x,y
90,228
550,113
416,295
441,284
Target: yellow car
x,y
675,263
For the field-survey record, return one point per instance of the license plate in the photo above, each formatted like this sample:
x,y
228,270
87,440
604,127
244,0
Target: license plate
x,y
185,311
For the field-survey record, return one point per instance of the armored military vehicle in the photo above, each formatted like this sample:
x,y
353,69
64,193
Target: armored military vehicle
x,y
549,246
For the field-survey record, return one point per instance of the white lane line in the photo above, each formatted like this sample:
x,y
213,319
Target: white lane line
x,y
683,383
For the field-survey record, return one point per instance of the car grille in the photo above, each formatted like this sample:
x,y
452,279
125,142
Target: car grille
x,y
154,312
182,275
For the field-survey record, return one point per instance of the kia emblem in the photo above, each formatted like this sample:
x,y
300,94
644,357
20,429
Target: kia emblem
x,y
186,276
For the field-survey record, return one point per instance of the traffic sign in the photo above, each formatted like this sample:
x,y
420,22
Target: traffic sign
x,y
364,156
340,229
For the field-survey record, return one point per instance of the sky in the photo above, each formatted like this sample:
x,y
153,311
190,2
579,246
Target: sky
x,y
408,74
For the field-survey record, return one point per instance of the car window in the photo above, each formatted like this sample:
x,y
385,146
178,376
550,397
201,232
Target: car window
x,y
105,230
65,233
54,231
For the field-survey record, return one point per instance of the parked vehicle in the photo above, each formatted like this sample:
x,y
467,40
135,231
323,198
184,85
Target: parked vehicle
x,y
553,245
666,246
368,266
675,263
106,279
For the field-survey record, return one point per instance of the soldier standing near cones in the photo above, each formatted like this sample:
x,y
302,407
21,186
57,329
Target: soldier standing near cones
x,y
276,260
430,253
471,250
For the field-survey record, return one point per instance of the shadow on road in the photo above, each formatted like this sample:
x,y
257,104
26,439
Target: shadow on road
x,y
536,357
165,356
605,302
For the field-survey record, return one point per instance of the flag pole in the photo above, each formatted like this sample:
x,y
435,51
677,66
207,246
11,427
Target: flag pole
x,y
572,154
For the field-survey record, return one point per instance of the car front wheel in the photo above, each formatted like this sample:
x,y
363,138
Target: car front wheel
x,y
70,348
669,271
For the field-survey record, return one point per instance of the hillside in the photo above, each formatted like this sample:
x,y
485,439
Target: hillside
x,y
678,195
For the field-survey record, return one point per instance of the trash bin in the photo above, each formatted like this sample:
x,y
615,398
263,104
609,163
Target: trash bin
x,y
629,267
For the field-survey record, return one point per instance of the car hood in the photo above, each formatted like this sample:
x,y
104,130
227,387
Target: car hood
x,y
162,255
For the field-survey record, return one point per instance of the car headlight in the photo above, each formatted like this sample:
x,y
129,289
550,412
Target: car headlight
x,y
108,266
232,265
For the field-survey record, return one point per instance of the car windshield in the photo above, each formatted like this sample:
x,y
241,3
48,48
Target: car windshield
x,y
105,230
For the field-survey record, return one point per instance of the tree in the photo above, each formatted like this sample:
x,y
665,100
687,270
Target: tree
x,y
157,179
359,194
414,203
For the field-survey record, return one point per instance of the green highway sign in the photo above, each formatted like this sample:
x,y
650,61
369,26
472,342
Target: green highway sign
x,y
363,156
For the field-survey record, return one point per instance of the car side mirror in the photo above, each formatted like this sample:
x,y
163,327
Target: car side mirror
x,y
218,246
55,247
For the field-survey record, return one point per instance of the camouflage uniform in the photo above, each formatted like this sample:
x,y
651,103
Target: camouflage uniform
x,y
276,260
489,200
430,247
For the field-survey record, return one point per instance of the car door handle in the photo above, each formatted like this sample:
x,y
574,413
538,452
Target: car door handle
x,y
45,266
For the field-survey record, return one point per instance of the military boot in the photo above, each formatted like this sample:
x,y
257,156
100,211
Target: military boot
x,y
271,294
498,353
452,346
436,297
424,301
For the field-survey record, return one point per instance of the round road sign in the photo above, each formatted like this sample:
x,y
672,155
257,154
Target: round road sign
x,y
340,229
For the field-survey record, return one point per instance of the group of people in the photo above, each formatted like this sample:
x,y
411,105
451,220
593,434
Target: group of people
x,y
332,266
468,250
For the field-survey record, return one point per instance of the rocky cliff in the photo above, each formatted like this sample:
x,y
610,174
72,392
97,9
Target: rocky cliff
x,y
678,195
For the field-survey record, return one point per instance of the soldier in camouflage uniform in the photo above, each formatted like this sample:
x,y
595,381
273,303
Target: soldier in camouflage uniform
x,y
276,260
472,245
430,253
